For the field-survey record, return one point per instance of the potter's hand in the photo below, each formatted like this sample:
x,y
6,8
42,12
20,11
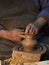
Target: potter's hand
x,y
13,35
16,35
34,28
31,29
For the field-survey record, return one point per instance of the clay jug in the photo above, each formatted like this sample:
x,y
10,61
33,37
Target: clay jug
x,y
28,43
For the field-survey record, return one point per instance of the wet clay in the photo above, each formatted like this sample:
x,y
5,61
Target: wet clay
x,y
29,43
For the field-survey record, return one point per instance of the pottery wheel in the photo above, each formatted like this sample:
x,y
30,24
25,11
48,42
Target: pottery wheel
x,y
39,48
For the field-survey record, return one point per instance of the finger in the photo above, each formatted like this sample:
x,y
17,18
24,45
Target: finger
x,y
32,33
27,29
31,29
19,30
35,31
22,36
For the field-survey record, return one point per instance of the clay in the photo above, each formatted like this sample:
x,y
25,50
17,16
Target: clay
x,y
28,43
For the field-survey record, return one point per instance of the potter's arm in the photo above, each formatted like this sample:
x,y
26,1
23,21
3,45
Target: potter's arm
x,y
5,34
33,28
11,35
40,22
42,18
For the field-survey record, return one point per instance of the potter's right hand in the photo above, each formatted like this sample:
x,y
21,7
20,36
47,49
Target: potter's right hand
x,y
13,35
16,35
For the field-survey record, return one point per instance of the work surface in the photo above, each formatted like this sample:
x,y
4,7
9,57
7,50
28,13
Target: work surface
x,y
36,63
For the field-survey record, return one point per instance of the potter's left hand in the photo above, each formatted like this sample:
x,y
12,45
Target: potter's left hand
x,y
31,29
38,24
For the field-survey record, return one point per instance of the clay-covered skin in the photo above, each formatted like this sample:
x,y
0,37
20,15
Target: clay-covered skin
x,y
28,43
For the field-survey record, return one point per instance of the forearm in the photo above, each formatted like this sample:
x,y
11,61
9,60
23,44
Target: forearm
x,y
12,35
43,14
40,22
6,34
